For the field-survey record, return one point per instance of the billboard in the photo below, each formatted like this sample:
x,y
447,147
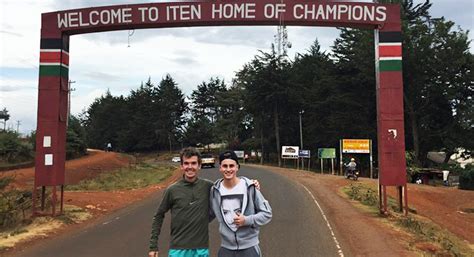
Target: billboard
x,y
240,154
305,154
290,152
356,145
326,153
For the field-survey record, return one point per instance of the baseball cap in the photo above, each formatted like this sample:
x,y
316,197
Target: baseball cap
x,y
228,155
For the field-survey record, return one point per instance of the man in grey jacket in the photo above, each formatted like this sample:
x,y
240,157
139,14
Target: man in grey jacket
x,y
240,210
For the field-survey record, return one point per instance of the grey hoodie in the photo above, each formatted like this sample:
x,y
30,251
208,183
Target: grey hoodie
x,y
257,213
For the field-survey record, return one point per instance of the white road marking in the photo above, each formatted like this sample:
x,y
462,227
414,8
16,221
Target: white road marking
x,y
341,254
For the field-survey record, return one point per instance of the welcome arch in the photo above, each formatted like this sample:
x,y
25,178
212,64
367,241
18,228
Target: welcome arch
x,y
57,27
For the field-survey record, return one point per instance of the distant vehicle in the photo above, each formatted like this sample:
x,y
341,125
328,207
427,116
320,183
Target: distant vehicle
x,y
352,174
176,159
208,160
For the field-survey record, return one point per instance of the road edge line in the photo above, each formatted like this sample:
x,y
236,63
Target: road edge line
x,y
341,254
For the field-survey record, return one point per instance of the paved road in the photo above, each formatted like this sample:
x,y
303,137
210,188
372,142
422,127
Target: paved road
x,y
297,229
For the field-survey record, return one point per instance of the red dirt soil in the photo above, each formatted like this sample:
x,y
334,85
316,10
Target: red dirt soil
x,y
76,170
95,163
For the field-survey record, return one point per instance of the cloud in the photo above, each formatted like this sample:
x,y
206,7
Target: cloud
x,y
16,84
184,61
21,107
101,76
461,12
5,88
10,33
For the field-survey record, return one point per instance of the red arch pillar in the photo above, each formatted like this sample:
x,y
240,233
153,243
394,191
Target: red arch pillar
x,y
390,114
52,116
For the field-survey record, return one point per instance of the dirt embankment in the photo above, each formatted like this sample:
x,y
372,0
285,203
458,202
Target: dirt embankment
x,y
76,170
95,163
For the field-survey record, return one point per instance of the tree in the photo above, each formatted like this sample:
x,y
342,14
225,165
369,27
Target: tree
x,y
320,98
266,82
75,139
354,111
13,149
170,113
4,116
105,121
143,113
438,83
204,98
205,106
233,124
198,132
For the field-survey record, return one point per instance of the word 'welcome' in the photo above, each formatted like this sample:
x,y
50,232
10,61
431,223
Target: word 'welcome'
x,y
174,12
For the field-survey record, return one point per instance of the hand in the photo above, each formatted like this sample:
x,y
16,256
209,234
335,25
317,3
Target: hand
x,y
257,184
239,220
153,254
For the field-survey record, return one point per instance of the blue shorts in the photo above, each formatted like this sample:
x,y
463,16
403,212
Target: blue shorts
x,y
203,252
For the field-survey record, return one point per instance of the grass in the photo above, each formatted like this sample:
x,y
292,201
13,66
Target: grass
x,y
73,214
143,175
18,231
18,165
424,231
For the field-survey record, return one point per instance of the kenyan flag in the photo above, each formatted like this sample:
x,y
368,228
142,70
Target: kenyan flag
x,y
390,51
54,61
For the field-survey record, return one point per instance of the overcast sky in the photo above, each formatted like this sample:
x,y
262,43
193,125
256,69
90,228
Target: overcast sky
x,y
102,61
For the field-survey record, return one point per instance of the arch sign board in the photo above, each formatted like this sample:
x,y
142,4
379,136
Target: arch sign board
x,y
57,27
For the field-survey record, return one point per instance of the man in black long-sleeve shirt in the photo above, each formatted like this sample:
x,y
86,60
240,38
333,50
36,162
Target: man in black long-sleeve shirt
x,y
188,200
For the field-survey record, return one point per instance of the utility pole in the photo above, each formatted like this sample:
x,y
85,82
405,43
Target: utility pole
x,y
301,137
69,89
301,129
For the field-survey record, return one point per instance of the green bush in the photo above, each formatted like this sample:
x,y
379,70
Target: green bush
x,y
13,204
466,178
363,194
13,149
75,139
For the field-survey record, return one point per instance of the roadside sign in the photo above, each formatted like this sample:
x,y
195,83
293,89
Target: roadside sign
x,y
356,145
290,152
305,154
326,153
240,154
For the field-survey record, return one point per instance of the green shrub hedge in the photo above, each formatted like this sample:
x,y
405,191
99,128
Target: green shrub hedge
x,y
466,178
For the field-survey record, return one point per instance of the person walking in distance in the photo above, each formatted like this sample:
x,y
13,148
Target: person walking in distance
x,y
240,210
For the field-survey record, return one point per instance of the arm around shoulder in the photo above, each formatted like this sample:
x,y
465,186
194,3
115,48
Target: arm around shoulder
x,y
263,211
